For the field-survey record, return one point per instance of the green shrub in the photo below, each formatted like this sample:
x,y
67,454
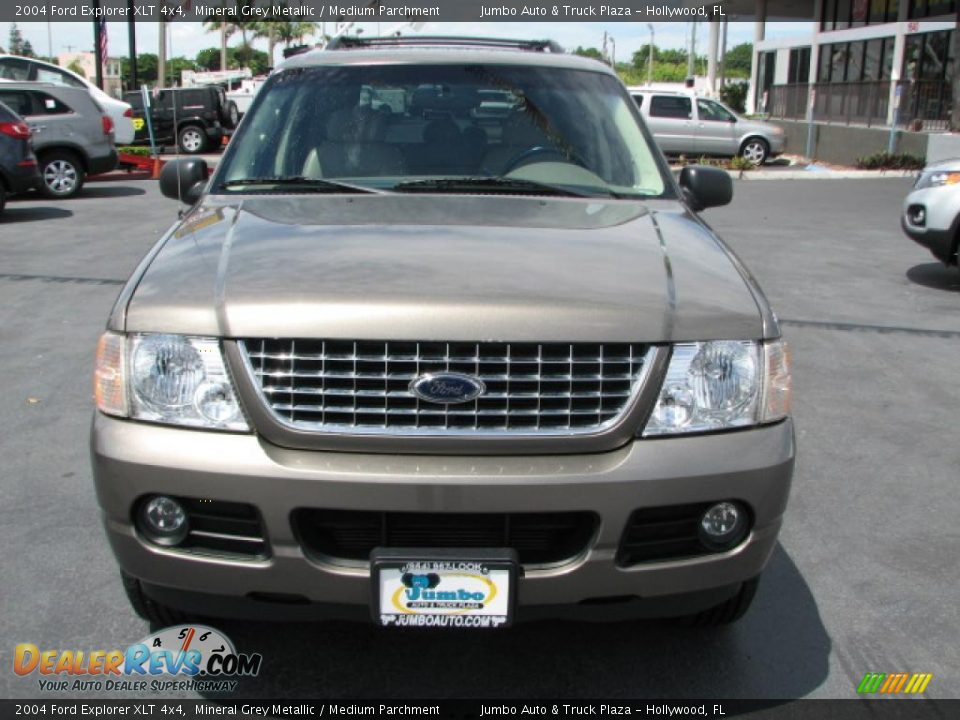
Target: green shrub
x,y
740,163
890,161
134,150
735,95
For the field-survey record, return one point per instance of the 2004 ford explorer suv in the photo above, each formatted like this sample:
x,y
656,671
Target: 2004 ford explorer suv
x,y
442,367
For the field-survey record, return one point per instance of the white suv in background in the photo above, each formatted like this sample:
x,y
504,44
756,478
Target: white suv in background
x,y
931,212
21,69
683,123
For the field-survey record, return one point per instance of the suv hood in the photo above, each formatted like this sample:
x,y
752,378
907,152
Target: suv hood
x,y
469,268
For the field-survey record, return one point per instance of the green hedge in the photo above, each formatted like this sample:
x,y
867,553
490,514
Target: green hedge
x,y
890,161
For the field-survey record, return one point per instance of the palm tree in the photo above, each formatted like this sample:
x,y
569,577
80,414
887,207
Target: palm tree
x,y
230,23
290,31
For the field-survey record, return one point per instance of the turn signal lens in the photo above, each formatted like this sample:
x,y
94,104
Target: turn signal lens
x,y
777,382
109,381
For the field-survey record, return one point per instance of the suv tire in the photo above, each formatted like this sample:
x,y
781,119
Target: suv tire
x,y
147,608
756,150
3,197
231,115
62,174
192,139
729,611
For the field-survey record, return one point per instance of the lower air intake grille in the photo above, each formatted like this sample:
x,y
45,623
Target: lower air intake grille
x,y
223,528
663,533
538,538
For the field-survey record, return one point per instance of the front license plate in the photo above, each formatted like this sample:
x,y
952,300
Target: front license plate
x,y
445,588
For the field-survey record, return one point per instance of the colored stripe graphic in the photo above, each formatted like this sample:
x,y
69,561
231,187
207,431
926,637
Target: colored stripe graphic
x,y
894,683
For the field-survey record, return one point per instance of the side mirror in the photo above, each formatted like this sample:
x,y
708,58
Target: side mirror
x,y
704,187
184,179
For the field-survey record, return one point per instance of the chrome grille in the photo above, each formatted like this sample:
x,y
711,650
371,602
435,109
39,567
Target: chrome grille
x,y
364,386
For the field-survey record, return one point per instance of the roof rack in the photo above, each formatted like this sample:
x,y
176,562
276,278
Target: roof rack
x,y
352,42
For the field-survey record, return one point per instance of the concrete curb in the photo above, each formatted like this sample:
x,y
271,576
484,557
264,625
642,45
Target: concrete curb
x,y
819,174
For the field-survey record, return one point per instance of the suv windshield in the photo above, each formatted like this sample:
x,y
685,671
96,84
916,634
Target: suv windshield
x,y
392,127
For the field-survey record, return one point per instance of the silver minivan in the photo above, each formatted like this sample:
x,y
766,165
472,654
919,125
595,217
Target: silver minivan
x,y
683,123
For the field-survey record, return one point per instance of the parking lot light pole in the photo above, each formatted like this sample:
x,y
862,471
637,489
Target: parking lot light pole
x,y
132,39
650,57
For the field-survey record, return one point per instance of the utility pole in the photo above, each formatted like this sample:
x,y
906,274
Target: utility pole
x,y
132,40
223,46
162,56
692,57
723,54
650,57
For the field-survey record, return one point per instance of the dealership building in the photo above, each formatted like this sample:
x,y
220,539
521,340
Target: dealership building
x,y
861,64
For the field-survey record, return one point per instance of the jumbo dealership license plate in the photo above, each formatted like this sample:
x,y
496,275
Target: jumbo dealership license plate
x,y
441,588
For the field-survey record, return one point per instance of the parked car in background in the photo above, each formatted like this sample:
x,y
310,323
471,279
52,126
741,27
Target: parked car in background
x,y
683,123
931,213
18,164
427,345
193,118
72,135
14,67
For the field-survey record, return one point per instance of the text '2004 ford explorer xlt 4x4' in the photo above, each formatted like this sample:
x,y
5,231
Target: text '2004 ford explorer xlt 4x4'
x,y
410,359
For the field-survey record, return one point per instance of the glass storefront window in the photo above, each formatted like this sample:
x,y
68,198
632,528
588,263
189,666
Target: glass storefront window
x,y
911,57
886,71
826,57
855,62
829,11
843,15
871,59
931,8
838,62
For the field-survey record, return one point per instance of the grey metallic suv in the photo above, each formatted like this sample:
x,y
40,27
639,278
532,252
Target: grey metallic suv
x,y
408,359
72,135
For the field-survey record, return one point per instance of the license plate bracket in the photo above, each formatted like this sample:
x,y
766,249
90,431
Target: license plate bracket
x,y
444,587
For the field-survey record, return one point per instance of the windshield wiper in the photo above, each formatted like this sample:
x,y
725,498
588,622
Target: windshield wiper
x,y
301,184
506,186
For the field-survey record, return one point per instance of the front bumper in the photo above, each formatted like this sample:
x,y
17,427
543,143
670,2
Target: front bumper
x,y
133,459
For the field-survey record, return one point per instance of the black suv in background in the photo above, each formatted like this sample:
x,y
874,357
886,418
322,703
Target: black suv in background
x,y
18,164
193,118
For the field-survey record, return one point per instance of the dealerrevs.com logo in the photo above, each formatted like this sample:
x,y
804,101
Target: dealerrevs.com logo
x,y
182,657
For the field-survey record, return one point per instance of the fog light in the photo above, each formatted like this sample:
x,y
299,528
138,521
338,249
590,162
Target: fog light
x,y
723,525
917,215
163,520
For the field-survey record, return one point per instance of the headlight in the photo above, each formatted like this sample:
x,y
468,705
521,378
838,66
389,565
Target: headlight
x,y
171,379
937,179
719,385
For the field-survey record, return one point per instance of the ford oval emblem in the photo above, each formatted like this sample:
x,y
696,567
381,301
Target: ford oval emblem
x,y
447,388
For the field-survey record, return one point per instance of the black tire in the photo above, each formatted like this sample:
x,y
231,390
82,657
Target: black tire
x,y
231,115
149,609
729,611
61,174
192,139
3,197
756,150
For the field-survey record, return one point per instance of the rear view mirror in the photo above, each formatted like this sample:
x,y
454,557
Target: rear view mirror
x,y
704,187
183,179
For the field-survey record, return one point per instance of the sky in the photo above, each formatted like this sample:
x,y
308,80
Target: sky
x,y
188,38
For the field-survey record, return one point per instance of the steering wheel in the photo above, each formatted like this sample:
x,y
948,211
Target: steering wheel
x,y
521,158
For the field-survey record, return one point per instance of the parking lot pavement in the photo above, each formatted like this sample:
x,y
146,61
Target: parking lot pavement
x,y
864,578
